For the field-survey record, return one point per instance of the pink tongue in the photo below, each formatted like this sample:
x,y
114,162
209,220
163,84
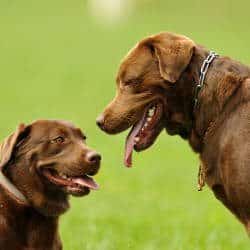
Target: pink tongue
x,y
130,142
87,182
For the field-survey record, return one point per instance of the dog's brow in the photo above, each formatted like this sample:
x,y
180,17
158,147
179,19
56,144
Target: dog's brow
x,y
80,133
62,132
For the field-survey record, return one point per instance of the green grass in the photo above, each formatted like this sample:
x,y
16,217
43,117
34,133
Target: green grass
x,y
58,62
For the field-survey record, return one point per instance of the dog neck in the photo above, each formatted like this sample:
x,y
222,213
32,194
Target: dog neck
x,y
12,191
198,114
203,72
222,81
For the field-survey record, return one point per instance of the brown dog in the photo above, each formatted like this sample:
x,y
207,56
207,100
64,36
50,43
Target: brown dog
x,y
157,88
41,165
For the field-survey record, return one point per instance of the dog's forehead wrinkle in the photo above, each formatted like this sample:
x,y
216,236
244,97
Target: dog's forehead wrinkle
x,y
61,131
53,123
134,71
50,128
135,63
79,133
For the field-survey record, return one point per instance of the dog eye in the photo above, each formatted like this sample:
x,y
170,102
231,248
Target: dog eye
x,y
58,140
132,82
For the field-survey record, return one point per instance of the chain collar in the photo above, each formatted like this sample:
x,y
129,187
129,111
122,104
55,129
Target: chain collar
x,y
204,68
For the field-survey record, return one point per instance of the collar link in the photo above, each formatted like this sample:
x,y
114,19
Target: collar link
x,y
204,68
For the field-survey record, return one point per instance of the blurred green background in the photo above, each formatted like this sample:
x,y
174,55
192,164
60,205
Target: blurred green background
x,y
58,59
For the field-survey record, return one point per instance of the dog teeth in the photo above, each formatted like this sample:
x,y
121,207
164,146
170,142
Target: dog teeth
x,y
137,139
150,113
63,176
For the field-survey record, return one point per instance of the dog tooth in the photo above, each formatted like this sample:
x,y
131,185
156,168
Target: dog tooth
x,y
151,112
137,139
149,119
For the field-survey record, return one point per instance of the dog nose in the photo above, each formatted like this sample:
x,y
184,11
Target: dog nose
x,y
93,157
100,121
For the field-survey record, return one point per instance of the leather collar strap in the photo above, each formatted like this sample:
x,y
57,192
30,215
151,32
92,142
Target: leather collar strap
x,y
12,190
204,68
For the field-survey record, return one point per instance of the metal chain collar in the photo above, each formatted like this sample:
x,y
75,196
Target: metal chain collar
x,y
204,68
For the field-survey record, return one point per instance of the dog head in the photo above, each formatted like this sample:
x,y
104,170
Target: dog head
x,y
48,160
151,92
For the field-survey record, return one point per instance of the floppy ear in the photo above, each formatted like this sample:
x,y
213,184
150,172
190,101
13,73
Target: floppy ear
x,y
9,144
173,52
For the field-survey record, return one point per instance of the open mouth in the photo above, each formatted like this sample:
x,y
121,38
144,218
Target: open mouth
x,y
144,132
75,185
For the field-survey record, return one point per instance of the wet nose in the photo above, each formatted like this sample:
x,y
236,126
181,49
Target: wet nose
x,y
93,157
100,121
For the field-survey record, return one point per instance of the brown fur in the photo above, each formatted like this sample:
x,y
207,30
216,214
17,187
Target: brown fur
x,y
23,156
166,67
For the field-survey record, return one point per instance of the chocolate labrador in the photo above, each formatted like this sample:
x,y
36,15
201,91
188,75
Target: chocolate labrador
x,y
41,165
167,81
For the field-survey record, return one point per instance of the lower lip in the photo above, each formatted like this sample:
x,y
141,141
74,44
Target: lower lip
x,y
77,190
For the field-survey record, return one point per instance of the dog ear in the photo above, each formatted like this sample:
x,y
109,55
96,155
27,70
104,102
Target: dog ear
x,y
173,53
9,144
